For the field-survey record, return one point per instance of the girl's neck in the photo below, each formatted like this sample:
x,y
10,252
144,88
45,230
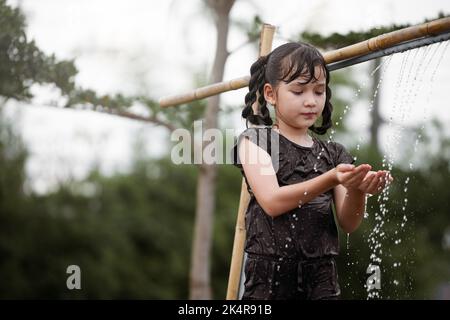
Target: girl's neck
x,y
297,135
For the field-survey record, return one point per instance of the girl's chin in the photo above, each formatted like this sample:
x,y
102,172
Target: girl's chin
x,y
304,124
306,120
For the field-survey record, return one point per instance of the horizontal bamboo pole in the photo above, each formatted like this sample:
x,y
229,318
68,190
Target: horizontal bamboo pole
x,y
401,47
380,42
387,40
205,92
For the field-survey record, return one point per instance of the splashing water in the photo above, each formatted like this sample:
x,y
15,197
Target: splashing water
x,y
411,81
409,84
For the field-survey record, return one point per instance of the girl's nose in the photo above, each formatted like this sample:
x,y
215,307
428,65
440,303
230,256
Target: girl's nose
x,y
310,101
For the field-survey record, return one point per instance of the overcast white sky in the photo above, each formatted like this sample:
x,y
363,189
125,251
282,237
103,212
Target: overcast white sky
x,y
155,47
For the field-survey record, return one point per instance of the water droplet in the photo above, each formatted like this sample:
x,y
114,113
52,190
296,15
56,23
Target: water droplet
x,y
348,240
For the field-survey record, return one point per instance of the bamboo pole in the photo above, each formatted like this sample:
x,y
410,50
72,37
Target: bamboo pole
x,y
388,40
401,47
237,257
380,42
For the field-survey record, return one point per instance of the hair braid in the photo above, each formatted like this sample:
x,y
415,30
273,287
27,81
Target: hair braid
x,y
256,85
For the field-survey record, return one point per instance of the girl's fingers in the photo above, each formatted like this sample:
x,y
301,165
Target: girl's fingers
x,y
381,182
389,177
373,187
370,176
367,181
343,167
357,178
360,170
348,175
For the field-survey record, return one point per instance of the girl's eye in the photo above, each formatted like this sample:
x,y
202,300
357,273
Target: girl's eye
x,y
297,92
320,93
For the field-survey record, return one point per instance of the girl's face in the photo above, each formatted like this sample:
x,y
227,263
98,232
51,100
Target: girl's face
x,y
299,104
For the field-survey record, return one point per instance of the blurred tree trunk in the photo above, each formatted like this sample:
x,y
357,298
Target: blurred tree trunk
x,y
200,287
376,120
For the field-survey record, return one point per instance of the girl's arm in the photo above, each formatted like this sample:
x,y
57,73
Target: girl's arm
x,y
349,205
276,200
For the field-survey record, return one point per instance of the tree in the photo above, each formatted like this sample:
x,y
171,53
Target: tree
x,y
23,64
200,287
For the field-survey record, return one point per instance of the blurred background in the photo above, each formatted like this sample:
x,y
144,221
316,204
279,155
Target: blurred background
x,y
86,176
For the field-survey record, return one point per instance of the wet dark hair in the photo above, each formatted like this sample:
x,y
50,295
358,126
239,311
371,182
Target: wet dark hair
x,y
286,63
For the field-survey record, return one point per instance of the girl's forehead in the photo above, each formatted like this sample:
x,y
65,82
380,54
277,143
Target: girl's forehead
x,y
305,76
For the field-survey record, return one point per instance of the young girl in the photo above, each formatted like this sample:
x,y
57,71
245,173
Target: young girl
x,y
294,178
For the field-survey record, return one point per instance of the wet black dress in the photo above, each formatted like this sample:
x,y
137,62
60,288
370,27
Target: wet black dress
x,y
292,256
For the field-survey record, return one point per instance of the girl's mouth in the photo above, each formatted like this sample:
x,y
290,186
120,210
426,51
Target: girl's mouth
x,y
308,114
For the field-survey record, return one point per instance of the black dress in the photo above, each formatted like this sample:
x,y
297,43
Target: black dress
x,y
292,256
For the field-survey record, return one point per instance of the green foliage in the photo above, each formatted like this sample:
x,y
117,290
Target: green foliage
x,y
22,64
130,233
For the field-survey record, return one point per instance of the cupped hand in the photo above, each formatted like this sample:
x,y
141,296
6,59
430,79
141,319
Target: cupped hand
x,y
350,176
375,181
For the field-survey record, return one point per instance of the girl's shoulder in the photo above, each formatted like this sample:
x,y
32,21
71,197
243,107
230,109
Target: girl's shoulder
x,y
257,129
262,136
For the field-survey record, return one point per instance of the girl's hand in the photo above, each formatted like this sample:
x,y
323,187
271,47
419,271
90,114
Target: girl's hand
x,y
350,176
375,181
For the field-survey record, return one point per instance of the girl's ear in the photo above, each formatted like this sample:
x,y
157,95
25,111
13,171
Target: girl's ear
x,y
269,94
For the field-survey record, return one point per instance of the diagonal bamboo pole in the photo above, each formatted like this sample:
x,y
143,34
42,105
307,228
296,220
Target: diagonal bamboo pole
x,y
237,257
380,42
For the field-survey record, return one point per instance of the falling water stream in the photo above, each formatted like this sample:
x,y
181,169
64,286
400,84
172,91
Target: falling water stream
x,y
413,79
